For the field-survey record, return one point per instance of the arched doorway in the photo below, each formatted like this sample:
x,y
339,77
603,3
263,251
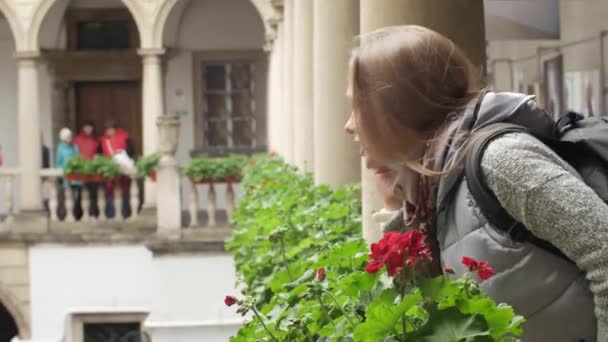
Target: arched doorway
x,y
8,326
76,34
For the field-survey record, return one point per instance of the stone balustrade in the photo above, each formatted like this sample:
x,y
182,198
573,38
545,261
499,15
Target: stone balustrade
x,y
217,201
211,204
8,179
63,199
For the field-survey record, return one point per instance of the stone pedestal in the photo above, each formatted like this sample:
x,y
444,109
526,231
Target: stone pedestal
x,y
168,199
31,221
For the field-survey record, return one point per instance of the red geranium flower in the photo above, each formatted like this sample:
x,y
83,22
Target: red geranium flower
x,y
230,300
397,250
483,269
470,263
320,274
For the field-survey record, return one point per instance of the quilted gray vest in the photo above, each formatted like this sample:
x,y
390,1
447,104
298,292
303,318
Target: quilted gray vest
x,y
550,292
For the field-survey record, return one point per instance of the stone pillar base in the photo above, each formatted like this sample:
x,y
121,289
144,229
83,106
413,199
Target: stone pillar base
x,y
35,221
147,216
169,215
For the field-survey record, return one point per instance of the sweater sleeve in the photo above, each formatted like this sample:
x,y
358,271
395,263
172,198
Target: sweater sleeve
x,y
534,185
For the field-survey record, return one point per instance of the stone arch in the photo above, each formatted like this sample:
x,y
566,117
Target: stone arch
x,y
17,311
11,17
161,21
140,20
45,7
262,7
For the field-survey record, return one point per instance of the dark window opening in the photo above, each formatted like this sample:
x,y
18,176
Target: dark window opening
x,y
104,35
112,332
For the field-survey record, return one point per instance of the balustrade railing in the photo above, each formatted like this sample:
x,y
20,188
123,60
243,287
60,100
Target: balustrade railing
x,y
88,201
8,179
211,203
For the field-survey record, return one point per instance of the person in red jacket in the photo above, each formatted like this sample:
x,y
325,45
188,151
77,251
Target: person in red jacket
x,y
88,146
86,141
114,141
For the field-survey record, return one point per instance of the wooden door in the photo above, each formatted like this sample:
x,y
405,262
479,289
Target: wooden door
x,y
99,102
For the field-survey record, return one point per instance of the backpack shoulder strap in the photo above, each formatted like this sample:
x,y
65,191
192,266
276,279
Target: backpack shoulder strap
x,y
496,215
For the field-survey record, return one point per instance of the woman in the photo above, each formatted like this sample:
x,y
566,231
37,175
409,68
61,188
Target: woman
x,y
67,150
414,93
117,145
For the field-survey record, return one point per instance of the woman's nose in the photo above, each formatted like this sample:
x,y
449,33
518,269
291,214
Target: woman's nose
x,y
350,125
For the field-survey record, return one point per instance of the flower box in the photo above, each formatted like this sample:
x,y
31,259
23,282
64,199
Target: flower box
x,y
230,180
77,178
74,177
152,175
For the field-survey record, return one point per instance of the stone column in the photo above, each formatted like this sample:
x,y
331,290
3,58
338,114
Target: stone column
x,y
153,106
287,128
169,210
28,125
303,85
275,93
461,21
336,156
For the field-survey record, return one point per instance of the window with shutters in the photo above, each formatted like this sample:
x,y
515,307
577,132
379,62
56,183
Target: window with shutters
x,y
229,111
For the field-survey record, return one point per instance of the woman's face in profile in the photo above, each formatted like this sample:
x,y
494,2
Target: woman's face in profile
x,y
351,128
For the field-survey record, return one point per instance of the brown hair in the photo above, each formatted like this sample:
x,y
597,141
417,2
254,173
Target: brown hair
x,y
405,83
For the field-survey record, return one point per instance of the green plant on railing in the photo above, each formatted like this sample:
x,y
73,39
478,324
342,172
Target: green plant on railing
x,y
147,164
204,168
100,166
79,166
105,167
200,168
307,275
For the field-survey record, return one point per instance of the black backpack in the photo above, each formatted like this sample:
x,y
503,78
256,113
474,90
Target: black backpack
x,y
580,141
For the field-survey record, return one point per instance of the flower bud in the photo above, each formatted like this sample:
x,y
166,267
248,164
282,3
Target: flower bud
x,y
320,274
230,300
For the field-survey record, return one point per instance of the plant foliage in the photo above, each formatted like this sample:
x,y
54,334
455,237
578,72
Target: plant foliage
x,y
301,261
145,165
100,166
204,168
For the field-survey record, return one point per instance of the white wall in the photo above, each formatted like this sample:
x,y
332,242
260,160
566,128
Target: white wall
x,y
178,290
579,19
203,25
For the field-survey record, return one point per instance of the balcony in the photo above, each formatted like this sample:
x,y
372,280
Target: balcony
x,y
120,218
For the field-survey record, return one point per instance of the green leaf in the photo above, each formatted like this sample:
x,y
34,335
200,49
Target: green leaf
x,y
501,319
383,315
451,325
441,290
355,283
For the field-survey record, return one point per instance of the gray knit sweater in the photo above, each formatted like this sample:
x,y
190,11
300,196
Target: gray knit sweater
x,y
533,184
